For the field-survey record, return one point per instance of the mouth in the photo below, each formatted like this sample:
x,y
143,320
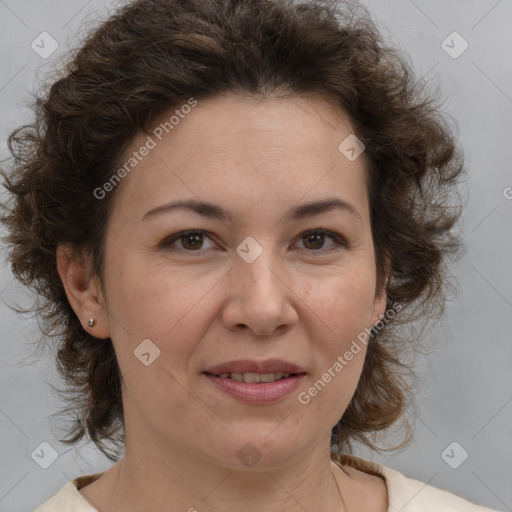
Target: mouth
x,y
240,369
256,382
250,377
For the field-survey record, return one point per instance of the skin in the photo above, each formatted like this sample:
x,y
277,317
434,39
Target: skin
x,y
302,300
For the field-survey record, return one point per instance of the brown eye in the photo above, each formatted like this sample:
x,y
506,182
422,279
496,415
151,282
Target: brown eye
x,y
190,241
314,240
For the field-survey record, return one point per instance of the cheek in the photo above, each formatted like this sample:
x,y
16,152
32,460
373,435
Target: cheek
x,y
342,302
151,299
342,312
342,309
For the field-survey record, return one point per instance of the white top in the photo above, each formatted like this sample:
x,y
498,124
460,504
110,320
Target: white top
x,y
404,494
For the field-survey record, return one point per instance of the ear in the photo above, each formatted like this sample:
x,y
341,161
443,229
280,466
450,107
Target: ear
x,y
379,306
83,291
381,297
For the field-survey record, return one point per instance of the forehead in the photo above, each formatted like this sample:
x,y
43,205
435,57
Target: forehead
x,y
228,144
312,123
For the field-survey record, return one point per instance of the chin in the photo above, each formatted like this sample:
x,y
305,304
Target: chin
x,y
260,449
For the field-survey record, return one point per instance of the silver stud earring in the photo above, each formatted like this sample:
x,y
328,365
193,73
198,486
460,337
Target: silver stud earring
x,y
91,322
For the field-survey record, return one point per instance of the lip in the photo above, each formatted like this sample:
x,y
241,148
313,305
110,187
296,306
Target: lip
x,y
251,366
257,392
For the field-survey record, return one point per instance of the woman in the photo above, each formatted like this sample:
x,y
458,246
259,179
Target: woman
x,y
228,208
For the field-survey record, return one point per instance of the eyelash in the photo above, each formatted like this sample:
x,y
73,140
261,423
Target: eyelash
x,y
342,243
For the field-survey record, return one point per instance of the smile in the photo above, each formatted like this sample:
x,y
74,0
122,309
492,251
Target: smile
x,y
255,377
256,388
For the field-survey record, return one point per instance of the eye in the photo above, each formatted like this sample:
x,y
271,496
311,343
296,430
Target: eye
x,y
315,238
191,241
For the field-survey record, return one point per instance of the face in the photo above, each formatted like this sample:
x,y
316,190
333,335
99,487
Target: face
x,y
261,286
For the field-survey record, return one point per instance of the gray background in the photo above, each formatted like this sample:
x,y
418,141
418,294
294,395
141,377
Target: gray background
x,y
465,390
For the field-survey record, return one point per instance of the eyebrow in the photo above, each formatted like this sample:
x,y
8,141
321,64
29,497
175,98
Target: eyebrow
x,y
218,212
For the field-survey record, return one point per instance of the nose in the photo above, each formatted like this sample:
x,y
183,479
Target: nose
x,y
259,297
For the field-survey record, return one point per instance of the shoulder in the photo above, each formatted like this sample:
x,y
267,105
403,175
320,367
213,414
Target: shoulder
x,y
67,499
414,496
409,495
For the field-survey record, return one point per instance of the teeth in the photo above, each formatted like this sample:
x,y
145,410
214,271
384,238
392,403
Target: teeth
x,y
251,377
254,377
268,377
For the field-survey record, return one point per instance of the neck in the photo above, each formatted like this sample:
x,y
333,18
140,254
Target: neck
x,y
145,481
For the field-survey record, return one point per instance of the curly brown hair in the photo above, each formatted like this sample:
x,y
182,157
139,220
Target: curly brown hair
x,y
149,58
